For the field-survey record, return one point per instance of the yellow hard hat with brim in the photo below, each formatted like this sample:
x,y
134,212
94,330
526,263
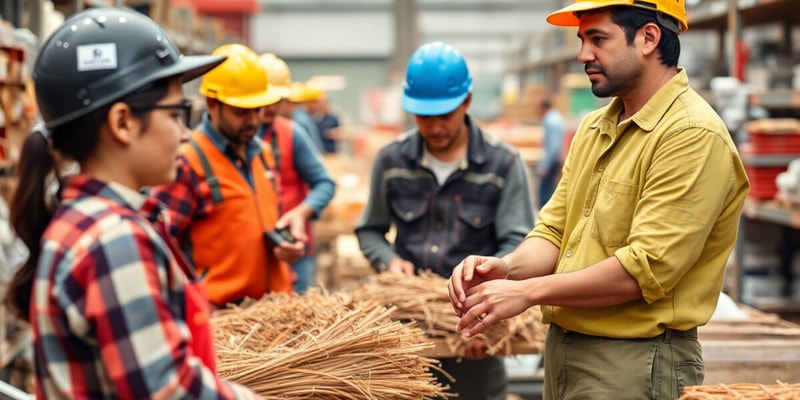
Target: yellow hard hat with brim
x,y
279,76
240,81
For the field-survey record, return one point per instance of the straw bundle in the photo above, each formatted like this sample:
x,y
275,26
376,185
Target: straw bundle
x,y
323,346
424,299
742,391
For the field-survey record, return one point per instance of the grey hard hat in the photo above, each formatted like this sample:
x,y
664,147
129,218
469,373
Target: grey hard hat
x,y
100,55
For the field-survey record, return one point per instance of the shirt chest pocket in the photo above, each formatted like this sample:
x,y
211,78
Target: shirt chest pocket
x,y
474,227
613,212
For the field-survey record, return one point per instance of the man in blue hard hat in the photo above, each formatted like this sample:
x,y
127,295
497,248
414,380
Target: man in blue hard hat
x,y
450,190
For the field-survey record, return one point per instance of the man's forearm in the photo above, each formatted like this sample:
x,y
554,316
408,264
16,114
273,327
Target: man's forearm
x,y
604,284
533,257
375,247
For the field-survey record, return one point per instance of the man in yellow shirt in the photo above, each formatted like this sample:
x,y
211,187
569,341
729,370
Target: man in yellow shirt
x,y
628,257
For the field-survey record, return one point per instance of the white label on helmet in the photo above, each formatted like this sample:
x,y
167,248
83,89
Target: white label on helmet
x,y
97,56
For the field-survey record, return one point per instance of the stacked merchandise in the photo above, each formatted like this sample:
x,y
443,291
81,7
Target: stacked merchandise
x,y
772,144
788,183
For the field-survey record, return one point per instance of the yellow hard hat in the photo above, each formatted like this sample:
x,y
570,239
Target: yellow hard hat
x,y
305,91
673,8
278,74
313,91
297,92
240,81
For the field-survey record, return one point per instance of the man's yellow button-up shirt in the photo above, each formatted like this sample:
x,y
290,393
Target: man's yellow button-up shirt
x,y
663,192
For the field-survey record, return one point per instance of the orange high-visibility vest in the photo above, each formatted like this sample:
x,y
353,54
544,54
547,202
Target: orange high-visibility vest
x,y
293,188
227,246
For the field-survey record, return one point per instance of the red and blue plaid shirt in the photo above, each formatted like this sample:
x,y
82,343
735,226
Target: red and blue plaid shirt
x,y
108,304
186,199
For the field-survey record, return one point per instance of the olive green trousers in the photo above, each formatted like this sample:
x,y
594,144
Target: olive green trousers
x,y
583,367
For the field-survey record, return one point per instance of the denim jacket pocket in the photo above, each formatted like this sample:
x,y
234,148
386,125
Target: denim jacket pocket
x,y
613,213
474,226
410,222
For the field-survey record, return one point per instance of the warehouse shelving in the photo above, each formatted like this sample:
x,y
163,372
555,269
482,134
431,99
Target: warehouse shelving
x,y
772,211
193,33
714,15
717,14
545,57
788,220
777,99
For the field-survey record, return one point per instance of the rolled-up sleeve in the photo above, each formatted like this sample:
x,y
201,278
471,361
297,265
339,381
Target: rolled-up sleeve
x,y
686,187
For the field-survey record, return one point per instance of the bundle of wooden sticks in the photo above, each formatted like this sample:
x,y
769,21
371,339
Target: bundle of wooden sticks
x,y
323,346
424,299
742,391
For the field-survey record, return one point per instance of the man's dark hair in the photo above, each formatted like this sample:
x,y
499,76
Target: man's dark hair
x,y
631,19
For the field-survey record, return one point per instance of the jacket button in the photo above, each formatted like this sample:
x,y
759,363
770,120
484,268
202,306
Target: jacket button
x,y
586,212
409,214
434,249
476,221
569,254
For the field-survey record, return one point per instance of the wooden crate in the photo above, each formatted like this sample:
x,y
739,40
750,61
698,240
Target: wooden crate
x,y
761,349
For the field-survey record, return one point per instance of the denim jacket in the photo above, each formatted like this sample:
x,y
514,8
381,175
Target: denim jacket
x,y
483,208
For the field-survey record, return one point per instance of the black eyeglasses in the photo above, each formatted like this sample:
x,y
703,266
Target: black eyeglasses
x,y
185,108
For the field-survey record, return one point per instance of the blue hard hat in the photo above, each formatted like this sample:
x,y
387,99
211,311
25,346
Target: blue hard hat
x,y
437,80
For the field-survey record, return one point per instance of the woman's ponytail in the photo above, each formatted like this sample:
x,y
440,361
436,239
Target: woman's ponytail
x,y
30,215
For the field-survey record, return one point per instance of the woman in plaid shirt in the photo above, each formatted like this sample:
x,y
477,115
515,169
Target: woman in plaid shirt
x,y
114,308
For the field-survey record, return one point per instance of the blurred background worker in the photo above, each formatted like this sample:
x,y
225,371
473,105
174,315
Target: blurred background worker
x,y
328,124
305,186
450,190
549,168
299,94
225,197
115,309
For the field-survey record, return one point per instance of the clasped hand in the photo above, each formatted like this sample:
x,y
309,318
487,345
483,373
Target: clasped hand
x,y
481,294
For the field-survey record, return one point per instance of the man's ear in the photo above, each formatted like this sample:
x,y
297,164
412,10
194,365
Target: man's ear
x,y
651,35
120,123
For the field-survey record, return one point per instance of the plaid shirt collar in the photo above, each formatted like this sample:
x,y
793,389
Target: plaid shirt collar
x,y
81,186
